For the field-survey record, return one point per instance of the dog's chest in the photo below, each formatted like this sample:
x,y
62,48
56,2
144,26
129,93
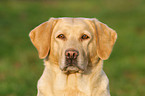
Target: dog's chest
x,y
70,92
63,82
69,86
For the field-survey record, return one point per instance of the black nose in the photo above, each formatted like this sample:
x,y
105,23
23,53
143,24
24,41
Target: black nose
x,y
71,54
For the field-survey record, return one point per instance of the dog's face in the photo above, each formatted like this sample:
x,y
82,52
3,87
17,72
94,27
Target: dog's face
x,y
73,42
70,41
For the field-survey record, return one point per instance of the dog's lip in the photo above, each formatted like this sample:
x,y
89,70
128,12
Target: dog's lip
x,y
72,69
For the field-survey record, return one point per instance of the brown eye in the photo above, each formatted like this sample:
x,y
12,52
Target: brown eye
x,y
61,36
84,37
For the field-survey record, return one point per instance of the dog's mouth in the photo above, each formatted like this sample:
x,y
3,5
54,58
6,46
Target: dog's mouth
x,y
72,69
71,66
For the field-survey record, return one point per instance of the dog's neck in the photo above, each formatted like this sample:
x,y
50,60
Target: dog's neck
x,y
96,67
78,83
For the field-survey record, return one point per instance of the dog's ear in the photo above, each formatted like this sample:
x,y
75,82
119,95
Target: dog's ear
x,y
106,38
41,36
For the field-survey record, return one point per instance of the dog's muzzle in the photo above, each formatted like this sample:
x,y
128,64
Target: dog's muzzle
x,y
71,63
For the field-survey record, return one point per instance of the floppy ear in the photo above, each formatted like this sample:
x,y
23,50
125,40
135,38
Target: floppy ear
x,y
106,38
41,36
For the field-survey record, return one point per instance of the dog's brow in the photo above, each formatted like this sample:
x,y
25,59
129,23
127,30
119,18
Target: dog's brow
x,y
58,32
87,32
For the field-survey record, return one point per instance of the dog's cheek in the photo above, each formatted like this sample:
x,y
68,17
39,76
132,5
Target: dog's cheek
x,y
92,49
54,49
82,58
61,54
83,55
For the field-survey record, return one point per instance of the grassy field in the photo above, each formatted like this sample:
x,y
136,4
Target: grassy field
x,y
20,67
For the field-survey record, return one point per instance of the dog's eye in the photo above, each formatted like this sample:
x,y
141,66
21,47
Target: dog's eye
x,y
61,36
84,37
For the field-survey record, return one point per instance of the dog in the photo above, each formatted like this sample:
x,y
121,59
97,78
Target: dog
x,y
73,50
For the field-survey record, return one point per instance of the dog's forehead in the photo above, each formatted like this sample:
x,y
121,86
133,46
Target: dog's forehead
x,y
72,22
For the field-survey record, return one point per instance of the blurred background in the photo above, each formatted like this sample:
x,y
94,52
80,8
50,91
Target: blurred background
x,y
20,67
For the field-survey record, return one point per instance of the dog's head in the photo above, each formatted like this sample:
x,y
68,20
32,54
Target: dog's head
x,y
73,43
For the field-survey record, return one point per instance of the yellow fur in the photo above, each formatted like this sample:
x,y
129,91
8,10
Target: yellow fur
x,y
93,81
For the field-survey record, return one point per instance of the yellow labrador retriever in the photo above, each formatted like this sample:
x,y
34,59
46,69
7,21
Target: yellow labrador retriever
x,y
73,50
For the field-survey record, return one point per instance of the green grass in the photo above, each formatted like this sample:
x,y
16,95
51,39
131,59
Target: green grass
x,y
20,67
